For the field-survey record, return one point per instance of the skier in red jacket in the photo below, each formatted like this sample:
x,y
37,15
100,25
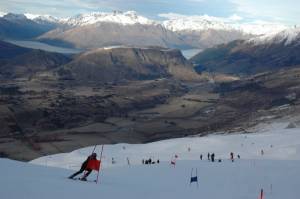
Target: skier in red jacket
x,y
84,168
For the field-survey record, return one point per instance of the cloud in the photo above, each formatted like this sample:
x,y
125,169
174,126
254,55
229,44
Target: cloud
x,y
174,16
274,10
235,17
238,10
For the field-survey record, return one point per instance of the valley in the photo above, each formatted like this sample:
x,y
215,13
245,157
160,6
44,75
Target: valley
x,y
131,87
46,117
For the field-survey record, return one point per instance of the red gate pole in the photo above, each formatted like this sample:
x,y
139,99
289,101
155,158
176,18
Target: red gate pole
x,y
261,194
100,164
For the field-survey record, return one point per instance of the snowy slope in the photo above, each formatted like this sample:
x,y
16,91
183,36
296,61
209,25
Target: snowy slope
x,y
285,146
277,171
239,180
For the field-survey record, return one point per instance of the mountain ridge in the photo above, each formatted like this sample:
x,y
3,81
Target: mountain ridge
x,y
90,30
252,56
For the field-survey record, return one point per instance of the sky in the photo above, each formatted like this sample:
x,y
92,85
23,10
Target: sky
x,y
283,11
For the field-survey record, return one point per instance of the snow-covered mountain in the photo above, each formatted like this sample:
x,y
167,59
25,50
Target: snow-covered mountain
x,y
179,23
14,17
260,54
19,26
175,23
175,31
124,18
287,36
42,19
260,28
196,23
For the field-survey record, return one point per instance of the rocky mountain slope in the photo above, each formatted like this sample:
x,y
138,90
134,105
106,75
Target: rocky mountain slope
x,y
129,28
103,34
18,26
8,50
261,54
127,63
17,62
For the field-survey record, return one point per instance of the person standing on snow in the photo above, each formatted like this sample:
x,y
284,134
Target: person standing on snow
x,y
84,168
212,157
208,157
231,156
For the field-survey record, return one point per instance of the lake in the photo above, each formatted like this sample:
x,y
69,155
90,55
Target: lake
x,y
43,46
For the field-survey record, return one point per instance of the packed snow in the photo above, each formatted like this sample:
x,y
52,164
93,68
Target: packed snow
x,y
238,180
276,170
277,143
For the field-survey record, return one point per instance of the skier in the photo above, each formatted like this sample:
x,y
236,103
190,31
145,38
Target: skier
x,y
239,157
201,156
212,157
128,162
208,157
231,156
84,168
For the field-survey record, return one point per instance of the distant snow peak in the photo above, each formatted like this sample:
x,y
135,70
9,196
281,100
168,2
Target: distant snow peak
x,y
262,28
235,17
177,22
2,14
288,36
42,18
31,16
125,18
14,17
